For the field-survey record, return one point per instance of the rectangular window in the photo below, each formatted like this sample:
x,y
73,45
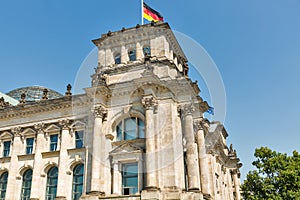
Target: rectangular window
x,y
130,178
29,145
6,148
53,142
78,139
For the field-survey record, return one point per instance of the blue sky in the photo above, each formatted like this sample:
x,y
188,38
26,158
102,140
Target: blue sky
x,y
255,44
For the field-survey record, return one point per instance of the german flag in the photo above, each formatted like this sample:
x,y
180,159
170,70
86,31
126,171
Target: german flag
x,y
151,15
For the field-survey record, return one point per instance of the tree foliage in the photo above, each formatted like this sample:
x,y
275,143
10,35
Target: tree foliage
x,y
277,176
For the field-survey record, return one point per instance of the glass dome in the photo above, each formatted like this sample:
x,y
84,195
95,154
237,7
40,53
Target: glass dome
x,y
33,93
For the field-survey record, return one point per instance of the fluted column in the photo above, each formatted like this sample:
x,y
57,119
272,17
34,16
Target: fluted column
x,y
37,166
97,169
191,149
204,179
63,160
16,145
236,183
151,179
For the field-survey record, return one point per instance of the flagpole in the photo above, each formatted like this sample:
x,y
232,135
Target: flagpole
x,y
142,11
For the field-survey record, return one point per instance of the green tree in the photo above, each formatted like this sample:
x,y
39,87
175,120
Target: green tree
x,y
277,176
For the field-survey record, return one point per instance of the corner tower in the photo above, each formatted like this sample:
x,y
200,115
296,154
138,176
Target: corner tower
x,y
149,137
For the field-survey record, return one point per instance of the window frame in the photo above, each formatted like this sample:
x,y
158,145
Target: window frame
x,y
78,139
139,129
3,191
81,175
124,177
32,147
24,186
117,57
49,186
132,55
5,150
56,143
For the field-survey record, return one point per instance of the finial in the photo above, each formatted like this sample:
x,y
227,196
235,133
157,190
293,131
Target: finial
x,y
138,26
69,88
23,98
45,94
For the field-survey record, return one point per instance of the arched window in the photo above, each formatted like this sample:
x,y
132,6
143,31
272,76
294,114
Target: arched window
x,y
131,128
26,185
52,176
118,58
77,182
147,51
3,184
132,55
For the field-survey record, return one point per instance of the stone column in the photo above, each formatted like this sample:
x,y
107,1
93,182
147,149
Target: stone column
x,y
15,148
96,187
204,178
151,179
191,149
63,160
236,183
124,55
37,166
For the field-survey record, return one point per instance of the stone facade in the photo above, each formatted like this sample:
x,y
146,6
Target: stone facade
x,y
143,131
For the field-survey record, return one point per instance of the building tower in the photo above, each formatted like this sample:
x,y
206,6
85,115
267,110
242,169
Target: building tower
x,y
138,133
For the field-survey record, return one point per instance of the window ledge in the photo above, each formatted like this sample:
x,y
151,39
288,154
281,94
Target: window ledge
x,y
76,150
50,154
5,159
26,157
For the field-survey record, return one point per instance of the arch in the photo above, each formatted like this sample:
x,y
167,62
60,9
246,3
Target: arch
x,y
74,163
132,54
47,167
118,117
23,169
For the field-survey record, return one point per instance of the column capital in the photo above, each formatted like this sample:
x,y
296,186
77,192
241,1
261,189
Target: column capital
x,y
99,112
188,109
149,102
39,127
65,124
16,131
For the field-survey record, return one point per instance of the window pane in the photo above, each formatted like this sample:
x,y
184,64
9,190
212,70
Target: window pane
x,y
147,51
141,128
132,55
77,181
119,132
29,145
130,129
53,142
26,185
3,184
79,139
52,176
118,59
130,178
6,148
